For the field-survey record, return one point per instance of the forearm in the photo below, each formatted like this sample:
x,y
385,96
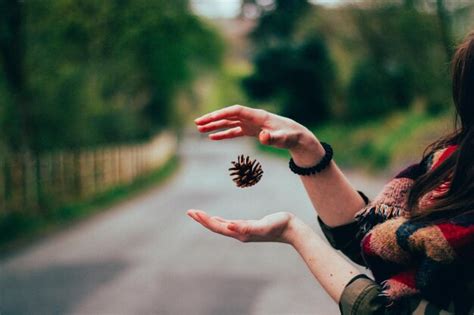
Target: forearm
x,y
330,192
331,270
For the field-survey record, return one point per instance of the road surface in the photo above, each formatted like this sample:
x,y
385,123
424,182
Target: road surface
x,y
145,256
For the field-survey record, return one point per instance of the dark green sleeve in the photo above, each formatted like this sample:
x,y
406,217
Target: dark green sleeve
x,y
361,296
345,238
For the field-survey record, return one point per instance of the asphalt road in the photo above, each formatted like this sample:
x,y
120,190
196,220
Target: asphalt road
x,y
145,256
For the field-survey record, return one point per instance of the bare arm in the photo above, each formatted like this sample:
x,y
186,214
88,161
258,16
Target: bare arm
x,y
331,194
327,266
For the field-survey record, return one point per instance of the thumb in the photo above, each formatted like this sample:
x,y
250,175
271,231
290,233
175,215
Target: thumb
x,y
239,227
276,138
265,137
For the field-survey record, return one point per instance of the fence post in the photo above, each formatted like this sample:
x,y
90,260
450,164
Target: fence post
x,y
69,174
97,167
60,179
28,181
2,185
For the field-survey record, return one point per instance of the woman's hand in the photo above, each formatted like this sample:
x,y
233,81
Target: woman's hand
x,y
276,227
270,129
329,268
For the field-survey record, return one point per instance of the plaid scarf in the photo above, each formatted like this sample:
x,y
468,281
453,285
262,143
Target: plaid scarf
x,y
416,258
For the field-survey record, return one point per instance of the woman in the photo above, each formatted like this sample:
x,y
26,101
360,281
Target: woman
x,y
417,236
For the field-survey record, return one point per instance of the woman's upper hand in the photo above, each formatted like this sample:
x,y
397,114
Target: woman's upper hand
x,y
237,121
276,227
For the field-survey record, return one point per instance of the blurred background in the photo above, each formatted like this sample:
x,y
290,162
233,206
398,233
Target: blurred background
x,y
97,101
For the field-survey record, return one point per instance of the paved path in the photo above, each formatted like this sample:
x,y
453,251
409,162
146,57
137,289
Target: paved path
x,y
145,256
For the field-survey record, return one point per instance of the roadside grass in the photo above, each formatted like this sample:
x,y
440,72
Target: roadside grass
x,y
385,143
380,145
19,228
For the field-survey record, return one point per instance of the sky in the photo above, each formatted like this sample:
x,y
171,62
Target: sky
x,y
230,8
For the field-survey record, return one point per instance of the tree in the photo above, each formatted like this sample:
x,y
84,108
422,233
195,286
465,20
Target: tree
x,y
299,78
295,73
12,52
106,71
445,28
277,25
404,50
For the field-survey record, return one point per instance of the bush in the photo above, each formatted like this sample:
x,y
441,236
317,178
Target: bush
x,y
375,91
299,78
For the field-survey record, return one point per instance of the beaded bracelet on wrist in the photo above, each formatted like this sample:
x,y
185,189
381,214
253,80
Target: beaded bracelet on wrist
x,y
306,171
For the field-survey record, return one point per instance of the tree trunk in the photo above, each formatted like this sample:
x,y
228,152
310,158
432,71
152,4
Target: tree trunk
x,y
445,27
12,52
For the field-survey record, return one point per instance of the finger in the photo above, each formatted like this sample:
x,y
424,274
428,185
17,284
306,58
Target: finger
x,y
225,220
192,215
224,123
225,113
220,219
227,134
214,225
234,226
199,216
248,227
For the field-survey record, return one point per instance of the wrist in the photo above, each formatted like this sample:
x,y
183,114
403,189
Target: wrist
x,y
308,151
296,231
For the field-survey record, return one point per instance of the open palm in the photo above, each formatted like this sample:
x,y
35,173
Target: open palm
x,y
271,228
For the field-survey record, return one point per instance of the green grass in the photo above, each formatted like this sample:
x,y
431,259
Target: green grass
x,y
19,228
384,143
380,144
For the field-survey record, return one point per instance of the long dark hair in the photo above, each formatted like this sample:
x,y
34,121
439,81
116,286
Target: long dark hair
x,y
459,167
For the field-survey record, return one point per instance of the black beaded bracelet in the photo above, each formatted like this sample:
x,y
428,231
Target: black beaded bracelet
x,y
306,171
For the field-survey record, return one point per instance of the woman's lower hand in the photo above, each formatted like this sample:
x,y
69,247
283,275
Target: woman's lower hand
x,y
276,227
238,121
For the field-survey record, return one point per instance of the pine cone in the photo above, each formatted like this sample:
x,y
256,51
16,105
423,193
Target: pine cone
x,y
246,173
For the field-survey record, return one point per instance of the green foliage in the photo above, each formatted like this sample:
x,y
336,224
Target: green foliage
x,y
277,26
375,92
103,71
404,59
296,74
300,78
386,56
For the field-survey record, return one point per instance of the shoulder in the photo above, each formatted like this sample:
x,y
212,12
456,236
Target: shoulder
x,y
392,201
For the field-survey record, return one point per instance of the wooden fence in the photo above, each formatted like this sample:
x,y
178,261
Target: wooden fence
x,y
30,182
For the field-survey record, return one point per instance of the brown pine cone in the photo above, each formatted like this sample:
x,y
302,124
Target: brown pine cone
x,y
246,172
